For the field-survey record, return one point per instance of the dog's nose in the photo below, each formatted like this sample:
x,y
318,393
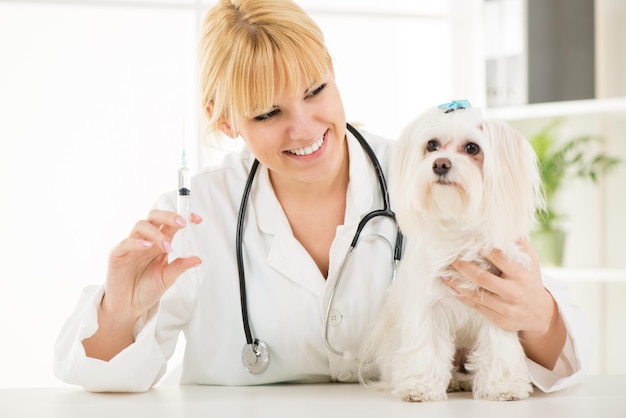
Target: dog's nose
x,y
441,166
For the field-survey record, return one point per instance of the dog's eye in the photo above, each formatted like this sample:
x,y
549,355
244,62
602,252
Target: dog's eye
x,y
432,145
472,148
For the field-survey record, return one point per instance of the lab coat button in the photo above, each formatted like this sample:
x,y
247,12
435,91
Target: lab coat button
x,y
345,376
334,318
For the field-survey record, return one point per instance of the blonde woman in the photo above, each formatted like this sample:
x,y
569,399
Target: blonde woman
x,y
266,76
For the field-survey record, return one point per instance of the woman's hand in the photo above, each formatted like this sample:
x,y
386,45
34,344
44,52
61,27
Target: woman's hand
x,y
516,301
139,274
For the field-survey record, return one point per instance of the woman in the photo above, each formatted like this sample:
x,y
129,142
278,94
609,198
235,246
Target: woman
x,y
267,76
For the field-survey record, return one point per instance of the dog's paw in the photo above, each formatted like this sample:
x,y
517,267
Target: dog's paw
x,y
506,391
460,382
421,394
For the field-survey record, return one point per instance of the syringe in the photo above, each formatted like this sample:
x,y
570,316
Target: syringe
x,y
184,203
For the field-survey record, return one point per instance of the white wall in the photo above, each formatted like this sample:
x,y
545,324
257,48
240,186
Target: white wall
x,y
90,124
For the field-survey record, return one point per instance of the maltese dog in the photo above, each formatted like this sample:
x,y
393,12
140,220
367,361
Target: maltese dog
x,y
461,185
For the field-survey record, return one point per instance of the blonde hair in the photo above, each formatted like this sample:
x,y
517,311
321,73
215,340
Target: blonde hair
x,y
252,50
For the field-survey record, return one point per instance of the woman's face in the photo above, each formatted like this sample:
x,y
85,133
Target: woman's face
x,y
302,137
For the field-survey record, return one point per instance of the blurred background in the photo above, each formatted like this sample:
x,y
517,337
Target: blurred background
x,y
93,95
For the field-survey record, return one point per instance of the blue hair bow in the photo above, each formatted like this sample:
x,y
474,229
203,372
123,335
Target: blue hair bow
x,y
455,105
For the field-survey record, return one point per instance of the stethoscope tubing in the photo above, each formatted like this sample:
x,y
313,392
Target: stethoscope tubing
x,y
239,246
257,348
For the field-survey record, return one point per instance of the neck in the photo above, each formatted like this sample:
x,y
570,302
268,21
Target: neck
x,y
314,209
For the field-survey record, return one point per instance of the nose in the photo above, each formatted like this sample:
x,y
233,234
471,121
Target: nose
x,y
441,166
301,124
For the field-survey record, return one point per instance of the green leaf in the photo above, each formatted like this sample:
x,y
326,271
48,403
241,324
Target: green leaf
x,y
565,160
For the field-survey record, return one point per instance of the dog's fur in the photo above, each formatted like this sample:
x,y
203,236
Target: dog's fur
x,y
453,203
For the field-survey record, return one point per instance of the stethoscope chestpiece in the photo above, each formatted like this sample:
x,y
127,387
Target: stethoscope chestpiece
x,y
255,357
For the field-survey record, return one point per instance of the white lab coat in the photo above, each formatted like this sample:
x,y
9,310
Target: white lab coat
x,y
287,296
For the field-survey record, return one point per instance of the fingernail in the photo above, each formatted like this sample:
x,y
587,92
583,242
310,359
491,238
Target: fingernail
x,y
146,244
446,278
180,221
198,217
167,246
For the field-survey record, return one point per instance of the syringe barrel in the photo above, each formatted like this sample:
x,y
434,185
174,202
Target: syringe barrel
x,y
184,193
184,209
184,181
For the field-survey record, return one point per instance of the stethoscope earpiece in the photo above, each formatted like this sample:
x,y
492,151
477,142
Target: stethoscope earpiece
x,y
255,357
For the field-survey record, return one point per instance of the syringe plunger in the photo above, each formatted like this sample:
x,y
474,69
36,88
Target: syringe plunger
x,y
184,181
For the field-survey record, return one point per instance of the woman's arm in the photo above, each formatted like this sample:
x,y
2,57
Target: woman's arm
x,y
545,346
114,334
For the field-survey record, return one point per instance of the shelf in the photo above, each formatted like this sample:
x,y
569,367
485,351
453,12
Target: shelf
x,y
587,275
559,109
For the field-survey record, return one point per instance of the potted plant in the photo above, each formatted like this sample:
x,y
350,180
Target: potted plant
x,y
560,161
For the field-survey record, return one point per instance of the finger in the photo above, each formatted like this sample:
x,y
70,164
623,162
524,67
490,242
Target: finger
x,y
492,306
478,275
145,230
161,217
508,267
130,245
482,300
461,289
167,221
479,296
528,248
195,218
511,268
178,267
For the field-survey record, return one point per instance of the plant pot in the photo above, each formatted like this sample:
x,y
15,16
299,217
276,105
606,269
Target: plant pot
x,y
549,245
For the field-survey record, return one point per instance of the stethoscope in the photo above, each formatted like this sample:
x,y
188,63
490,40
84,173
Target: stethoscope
x,y
255,354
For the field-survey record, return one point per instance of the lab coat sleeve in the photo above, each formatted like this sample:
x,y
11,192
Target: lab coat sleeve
x,y
139,366
134,369
574,360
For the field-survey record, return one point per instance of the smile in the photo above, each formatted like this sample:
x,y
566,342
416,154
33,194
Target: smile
x,y
308,150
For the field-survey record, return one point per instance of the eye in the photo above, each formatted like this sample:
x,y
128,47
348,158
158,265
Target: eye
x,y
472,148
432,145
317,90
267,116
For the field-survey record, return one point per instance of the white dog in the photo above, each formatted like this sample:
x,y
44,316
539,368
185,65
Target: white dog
x,y
461,186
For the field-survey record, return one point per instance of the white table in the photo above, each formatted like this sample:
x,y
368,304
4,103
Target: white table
x,y
596,397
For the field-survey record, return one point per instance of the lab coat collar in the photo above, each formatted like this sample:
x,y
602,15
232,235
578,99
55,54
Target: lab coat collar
x,y
286,255
360,195
270,216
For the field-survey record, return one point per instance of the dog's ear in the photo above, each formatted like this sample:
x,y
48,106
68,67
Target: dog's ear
x,y
512,180
406,157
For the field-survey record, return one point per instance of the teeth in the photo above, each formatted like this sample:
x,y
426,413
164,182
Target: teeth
x,y
308,150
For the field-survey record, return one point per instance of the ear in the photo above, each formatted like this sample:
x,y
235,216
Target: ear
x,y
402,185
512,180
226,129
223,125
